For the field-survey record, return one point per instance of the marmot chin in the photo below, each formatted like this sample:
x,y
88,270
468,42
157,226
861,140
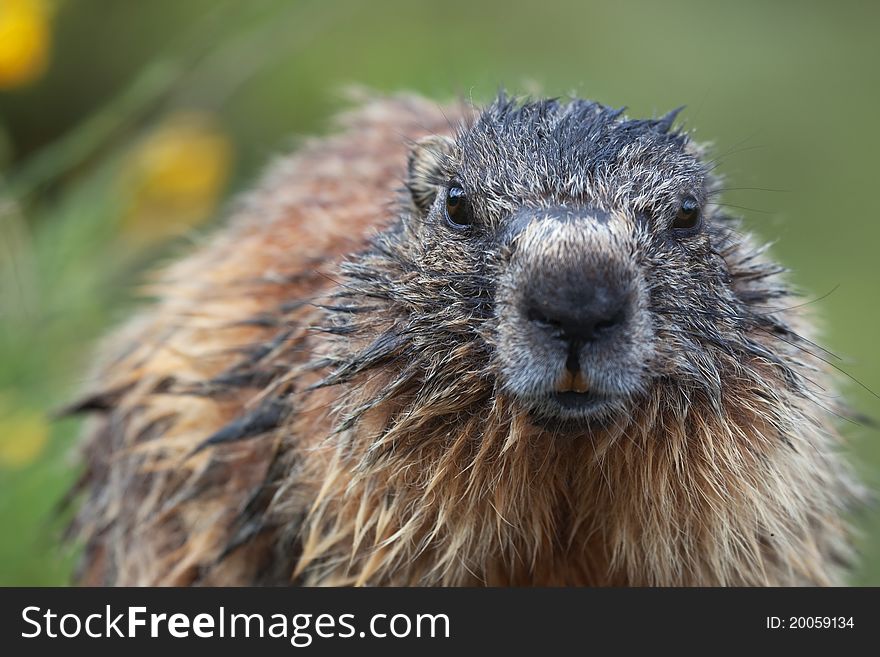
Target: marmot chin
x,y
521,345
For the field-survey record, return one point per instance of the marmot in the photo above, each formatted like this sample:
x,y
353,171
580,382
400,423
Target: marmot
x,y
514,346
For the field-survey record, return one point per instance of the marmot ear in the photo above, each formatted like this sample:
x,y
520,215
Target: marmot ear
x,y
425,168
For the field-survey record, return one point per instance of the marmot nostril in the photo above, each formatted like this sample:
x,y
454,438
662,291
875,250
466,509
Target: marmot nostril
x,y
535,315
606,325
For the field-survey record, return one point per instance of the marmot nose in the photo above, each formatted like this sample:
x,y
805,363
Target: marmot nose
x,y
579,314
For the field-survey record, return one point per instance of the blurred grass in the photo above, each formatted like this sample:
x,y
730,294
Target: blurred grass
x,y
787,91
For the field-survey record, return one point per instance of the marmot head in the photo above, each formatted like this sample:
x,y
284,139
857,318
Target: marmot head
x,y
568,258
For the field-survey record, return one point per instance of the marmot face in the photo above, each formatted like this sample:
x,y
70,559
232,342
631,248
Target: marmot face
x,y
592,254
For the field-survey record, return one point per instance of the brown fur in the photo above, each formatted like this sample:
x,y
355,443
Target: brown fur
x,y
416,491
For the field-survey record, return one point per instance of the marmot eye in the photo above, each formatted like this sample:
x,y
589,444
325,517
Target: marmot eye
x,y
689,216
458,214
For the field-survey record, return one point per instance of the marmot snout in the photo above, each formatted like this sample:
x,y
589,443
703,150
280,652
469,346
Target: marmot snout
x,y
574,329
549,357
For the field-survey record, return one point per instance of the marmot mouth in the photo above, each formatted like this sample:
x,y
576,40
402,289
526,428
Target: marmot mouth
x,y
571,400
573,411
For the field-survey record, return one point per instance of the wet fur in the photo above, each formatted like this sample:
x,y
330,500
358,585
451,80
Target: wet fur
x,y
326,391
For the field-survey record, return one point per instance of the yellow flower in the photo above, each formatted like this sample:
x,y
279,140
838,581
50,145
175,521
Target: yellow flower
x,y
175,176
23,436
24,41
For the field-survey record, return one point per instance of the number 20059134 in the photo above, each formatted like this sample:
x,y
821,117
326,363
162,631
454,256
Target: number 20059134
x,y
810,623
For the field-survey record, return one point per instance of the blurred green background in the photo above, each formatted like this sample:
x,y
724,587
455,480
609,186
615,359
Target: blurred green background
x,y
124,125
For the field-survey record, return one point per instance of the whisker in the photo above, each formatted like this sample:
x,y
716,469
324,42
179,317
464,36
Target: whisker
x,y
740,207
751,323
801,348
716,162
721,190
801,305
